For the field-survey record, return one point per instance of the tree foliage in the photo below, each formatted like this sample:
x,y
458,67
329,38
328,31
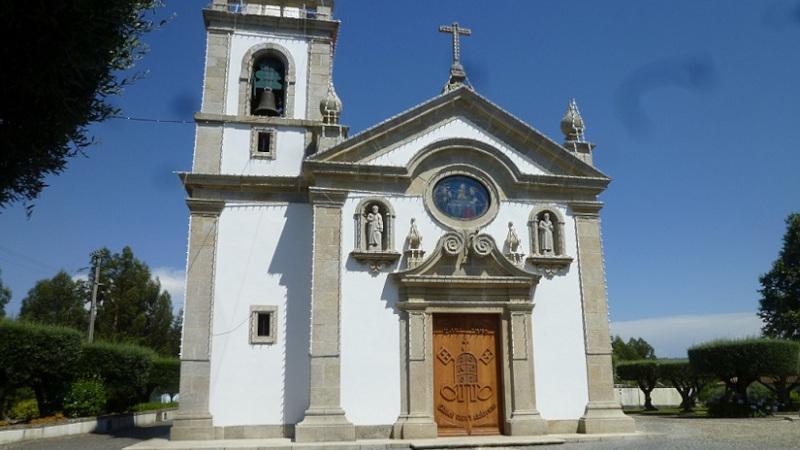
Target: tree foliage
x,y
132,307
634,349
57,301
780,287
5,297
738,363
40,357
59,79
645,373
687,381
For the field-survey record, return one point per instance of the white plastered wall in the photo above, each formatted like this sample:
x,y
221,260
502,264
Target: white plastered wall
x,y
457,127
241,42
236,160
370,325
263,258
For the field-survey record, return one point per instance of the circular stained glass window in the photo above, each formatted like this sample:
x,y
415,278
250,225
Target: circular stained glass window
x,y
461,197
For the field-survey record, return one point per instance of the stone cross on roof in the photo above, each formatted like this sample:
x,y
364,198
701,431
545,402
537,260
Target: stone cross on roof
x,y
457,74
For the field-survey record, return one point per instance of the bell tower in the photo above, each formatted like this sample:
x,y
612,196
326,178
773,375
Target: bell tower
x,y
268,96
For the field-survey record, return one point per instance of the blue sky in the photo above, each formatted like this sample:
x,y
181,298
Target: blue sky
x,y
693,107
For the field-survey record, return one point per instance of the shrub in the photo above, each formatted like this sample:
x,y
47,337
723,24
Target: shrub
x,y
24,410
42,357
684,379
123,368
153,406
85,398
164,377
738,363
645,373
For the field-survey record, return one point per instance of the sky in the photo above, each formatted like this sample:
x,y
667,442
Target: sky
x,y
693,107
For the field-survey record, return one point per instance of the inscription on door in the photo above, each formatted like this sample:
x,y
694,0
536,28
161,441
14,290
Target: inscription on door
x,y
466,374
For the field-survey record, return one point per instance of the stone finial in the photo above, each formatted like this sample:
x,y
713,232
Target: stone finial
x,y
331,106
414,238
414,254
512,246
572,123
458,76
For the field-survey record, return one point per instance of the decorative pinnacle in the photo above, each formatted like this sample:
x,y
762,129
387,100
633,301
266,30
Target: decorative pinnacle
x,y
572,123
457,74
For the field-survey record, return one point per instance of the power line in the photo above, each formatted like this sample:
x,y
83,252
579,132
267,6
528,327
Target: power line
x,y
146,119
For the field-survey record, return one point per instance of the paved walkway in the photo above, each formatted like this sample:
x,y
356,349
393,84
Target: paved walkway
x,y
679,434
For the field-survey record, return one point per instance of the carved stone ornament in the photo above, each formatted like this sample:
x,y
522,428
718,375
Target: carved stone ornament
x,y
374,225
549,266
414,254
512,246
376,260
548,256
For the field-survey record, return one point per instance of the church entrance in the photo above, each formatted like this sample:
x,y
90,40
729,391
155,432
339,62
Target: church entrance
x,y
466,374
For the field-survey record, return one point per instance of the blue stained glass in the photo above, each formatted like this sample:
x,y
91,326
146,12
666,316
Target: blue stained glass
x,y
461,197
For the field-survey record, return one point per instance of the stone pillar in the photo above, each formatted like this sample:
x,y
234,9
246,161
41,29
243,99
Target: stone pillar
x,y
525,418
193,421
325,419
416,419
216,71
603,412
319,74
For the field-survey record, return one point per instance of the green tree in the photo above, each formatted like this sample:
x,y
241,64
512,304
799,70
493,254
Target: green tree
x,y
780,301
645,373
132,307
634,349
60,80
5,297
684,379
57,301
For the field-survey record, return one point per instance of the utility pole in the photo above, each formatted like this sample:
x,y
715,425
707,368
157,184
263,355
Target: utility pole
x,y
97,256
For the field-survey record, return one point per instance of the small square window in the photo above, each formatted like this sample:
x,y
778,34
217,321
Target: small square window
x,y
263,321
262,143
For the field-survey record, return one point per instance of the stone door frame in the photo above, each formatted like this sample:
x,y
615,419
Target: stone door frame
x,y
496,287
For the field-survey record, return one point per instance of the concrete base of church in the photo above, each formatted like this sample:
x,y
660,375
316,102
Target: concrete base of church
x,y
526,424
605,417
411,427
324,426
195,428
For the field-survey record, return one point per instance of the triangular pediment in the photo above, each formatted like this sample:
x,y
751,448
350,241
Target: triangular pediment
x,y
461,114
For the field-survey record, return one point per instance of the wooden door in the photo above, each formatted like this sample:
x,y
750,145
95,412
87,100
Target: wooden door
x,y
466,373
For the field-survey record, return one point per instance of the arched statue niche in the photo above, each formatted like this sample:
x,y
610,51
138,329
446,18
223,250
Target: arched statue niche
x,y
548,249
374,222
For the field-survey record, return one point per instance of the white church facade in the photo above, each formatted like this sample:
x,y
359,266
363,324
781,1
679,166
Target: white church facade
x,y
440,273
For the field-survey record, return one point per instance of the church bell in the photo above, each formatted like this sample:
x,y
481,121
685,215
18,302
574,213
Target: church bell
x,y
266,104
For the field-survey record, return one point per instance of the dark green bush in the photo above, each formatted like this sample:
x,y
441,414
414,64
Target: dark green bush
x,y
85,398
164,377
123,368
645,373
24,410
42,357
738,363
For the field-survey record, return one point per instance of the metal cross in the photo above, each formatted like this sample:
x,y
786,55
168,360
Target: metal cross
x,y
456,31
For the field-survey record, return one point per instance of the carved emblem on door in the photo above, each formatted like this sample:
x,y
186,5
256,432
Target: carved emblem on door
x,y
466,374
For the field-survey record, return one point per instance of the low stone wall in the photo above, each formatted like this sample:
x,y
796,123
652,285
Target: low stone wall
x,y
634,397
102,424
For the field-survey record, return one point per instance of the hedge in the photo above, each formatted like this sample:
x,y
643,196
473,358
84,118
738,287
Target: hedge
x,y
645,373
164,377
41,357
123,368
738,363
684,379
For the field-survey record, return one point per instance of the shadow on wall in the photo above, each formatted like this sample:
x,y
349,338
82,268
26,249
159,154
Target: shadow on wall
x,y
292,262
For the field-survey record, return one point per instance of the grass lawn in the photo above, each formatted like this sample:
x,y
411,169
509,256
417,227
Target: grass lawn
x,y
699,411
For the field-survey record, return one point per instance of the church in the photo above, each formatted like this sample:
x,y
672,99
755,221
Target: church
x,y
438,274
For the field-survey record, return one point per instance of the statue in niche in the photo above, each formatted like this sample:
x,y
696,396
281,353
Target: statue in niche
x,y
374,229
546,235
512,240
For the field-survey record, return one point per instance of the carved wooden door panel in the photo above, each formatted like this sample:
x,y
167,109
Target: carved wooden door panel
x,y
466,374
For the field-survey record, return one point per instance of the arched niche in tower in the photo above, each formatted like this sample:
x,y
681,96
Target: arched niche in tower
x,y
268,70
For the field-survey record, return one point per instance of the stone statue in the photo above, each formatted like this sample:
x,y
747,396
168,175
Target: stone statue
x,y
414,238
375,229
546,235
512,240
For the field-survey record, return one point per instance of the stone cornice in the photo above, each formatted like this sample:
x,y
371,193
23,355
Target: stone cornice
x,y
586,209
208,118
225,20
253,183
204,207
327,197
